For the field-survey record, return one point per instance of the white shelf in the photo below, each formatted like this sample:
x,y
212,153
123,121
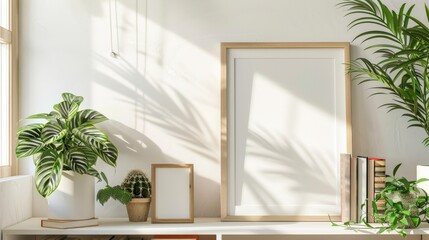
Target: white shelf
x,y
202,226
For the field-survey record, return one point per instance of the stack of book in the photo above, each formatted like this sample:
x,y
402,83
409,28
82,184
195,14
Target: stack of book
x,y
366,179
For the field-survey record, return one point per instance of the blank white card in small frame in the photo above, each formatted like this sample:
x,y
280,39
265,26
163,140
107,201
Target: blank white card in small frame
x,y
172,193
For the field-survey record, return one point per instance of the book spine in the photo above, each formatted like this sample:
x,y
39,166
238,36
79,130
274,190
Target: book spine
x,y
362,187
353,190
345,162
380,182
371,196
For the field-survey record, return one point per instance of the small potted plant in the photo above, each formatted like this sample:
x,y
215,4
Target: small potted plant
x,y
67,144
134,192
406,206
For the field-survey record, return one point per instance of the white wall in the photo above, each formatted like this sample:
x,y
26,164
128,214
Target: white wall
x,y
162,92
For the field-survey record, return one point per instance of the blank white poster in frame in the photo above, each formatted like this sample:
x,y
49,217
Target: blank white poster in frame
x,y
173,193
285,120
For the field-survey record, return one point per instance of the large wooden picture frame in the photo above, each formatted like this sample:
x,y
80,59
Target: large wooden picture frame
x,y
172,193
285,119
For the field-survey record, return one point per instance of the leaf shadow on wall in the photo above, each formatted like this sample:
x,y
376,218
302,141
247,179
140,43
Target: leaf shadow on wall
x,y
172,113
278,178
284,141
162,101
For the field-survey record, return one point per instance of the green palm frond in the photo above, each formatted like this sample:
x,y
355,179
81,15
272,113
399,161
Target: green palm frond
x,y
402,66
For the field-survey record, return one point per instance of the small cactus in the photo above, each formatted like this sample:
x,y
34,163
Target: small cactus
x,y
137,183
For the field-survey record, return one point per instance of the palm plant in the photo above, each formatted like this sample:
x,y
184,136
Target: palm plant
x,y
68,140
402,49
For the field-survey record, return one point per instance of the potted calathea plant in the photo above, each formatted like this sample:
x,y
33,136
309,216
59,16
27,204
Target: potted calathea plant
x,y
134,192
65,149
406,206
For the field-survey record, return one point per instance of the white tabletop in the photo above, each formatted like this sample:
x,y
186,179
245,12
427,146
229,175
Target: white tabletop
x,y
202,226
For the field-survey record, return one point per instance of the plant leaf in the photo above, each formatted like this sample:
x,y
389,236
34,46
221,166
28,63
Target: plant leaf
x,y
30,126
396,169
420,180
77,160
91,136
109,153
40,116
103,176
66,109
381,230
85,117
30,131
415,221
52,132
71,98
93,172
116,192
48,172
404,221
28,147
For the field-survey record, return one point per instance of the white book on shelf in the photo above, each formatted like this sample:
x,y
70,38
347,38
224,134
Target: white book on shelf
x,y
362,185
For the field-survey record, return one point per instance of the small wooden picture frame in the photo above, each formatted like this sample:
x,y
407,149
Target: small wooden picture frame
x,y
172,193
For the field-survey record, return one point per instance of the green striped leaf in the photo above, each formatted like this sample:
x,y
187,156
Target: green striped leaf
x,y
91,156
66,109
109,153
30,126
98,142
86,117
91,136
28,147
71,98
47,116
53,132
55,114
30,131
39,116
93,172
77,160
48,172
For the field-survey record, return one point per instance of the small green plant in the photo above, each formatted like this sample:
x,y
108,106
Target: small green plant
x,y
135,185
406,206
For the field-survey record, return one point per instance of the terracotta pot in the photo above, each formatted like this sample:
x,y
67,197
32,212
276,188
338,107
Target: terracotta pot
x,y
138,209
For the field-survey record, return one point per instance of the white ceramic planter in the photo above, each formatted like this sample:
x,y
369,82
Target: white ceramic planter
x,y
74,198
423,172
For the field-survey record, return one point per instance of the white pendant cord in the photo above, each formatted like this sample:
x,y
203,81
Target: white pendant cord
x,y
114,31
